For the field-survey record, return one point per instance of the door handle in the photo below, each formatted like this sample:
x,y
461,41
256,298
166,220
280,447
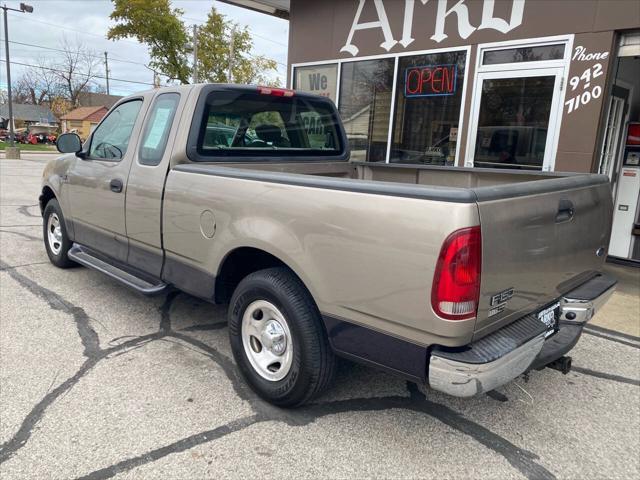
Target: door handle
x,y
116,185
565,211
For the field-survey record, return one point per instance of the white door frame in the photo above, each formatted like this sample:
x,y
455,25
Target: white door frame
x,y
559,67
554,114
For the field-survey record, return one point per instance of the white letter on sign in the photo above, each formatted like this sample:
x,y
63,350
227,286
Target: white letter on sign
x,y
460,9
489,21
407,25
383,23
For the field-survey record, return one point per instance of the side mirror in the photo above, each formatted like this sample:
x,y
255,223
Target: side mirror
x,y
69,143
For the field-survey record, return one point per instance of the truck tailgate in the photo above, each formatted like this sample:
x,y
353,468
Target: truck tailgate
x,y
539,240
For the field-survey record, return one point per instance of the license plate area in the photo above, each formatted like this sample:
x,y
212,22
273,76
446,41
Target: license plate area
x,y
550,317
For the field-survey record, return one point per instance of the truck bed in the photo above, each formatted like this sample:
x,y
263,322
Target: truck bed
x,y
528,246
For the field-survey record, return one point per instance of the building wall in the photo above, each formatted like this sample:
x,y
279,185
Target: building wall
x,y
347,30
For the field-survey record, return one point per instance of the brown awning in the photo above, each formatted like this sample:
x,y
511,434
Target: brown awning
x,y
277,8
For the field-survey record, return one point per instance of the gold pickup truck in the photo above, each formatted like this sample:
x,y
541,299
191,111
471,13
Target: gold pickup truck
x,y
459,278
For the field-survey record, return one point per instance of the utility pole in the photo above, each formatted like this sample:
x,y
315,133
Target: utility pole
x,y
230,74
195,54
12,151
106,70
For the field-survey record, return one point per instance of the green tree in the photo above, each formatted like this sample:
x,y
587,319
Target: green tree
x,y
158,25
214,39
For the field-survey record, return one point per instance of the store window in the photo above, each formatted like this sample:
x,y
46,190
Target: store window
x,y
318,79
516,106
538,53
513,122
365,107
427,113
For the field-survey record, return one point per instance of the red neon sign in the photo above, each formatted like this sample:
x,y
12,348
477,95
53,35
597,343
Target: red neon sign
x,y
430,81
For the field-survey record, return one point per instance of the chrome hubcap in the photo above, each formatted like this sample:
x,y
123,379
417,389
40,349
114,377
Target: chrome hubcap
x,y
267,340
54,233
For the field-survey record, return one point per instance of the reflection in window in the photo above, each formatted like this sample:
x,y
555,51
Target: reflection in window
x,y
524,54
513,121
246,124
365,104
428,98
111,138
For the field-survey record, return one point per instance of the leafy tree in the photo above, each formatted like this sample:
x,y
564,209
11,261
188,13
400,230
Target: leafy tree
x,y
214,39
158,25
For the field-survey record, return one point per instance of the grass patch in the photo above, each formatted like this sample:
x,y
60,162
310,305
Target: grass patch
x,y
26,147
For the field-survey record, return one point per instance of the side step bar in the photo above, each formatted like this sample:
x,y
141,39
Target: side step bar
x,y
84,257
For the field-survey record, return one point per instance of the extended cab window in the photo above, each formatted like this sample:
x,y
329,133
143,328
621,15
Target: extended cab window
x,y
156,131
111,138
254,124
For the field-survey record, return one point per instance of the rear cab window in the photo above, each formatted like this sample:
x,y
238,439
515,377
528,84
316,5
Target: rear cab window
x,y
244,124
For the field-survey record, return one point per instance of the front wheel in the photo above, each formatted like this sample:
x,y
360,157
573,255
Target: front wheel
x,y
56,240
277,338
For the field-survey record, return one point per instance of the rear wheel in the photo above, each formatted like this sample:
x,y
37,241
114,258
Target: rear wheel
x,y
277,338
56,240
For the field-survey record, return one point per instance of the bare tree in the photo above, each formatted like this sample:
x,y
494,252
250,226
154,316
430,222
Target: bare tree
x,y
77,69
37,85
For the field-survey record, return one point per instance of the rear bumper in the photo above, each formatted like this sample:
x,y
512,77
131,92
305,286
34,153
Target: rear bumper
x,y
521,346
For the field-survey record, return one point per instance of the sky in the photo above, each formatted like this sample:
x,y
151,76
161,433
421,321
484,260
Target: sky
x,y
87,22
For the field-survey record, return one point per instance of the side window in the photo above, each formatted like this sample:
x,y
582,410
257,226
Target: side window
x,y
111,138
156,131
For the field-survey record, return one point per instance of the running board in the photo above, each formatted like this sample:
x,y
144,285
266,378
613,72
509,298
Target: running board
x,y
81,255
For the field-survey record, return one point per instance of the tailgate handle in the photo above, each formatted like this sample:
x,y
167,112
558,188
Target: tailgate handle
x,y
565,211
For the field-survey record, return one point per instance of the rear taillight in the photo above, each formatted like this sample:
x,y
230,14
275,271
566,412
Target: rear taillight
x,y
276,92
456,283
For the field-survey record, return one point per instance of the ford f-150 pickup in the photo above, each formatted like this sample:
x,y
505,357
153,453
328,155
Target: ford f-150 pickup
x,y
458,278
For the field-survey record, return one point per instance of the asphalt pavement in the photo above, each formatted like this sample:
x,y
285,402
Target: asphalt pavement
x,y
97,381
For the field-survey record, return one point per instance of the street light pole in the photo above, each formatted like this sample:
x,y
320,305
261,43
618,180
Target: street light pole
x,y
106,70
24,8
195,54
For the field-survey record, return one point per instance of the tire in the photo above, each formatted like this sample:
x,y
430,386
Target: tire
x,y
307,363
56,239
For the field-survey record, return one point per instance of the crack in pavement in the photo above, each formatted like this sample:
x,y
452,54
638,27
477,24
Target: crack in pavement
x,y
608,331
22,234
24,210
606,376
91,350
25,225
522,460
611,339
11,267
175,447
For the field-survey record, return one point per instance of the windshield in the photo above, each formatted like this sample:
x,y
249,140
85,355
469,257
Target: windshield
x,y
248,124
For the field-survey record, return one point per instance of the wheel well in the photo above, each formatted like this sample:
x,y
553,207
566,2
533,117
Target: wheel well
x,y
237,265
47,194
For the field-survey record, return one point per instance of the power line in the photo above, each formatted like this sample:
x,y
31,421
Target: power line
x,y
82,32
253,34
79,73
64,51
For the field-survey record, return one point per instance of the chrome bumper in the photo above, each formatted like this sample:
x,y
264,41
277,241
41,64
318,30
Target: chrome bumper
x,y
462,378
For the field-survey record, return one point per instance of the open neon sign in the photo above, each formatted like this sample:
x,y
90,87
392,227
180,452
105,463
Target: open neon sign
x,y
430,81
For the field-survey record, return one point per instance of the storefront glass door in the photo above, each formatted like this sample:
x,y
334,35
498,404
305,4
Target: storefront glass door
x,y
514,119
